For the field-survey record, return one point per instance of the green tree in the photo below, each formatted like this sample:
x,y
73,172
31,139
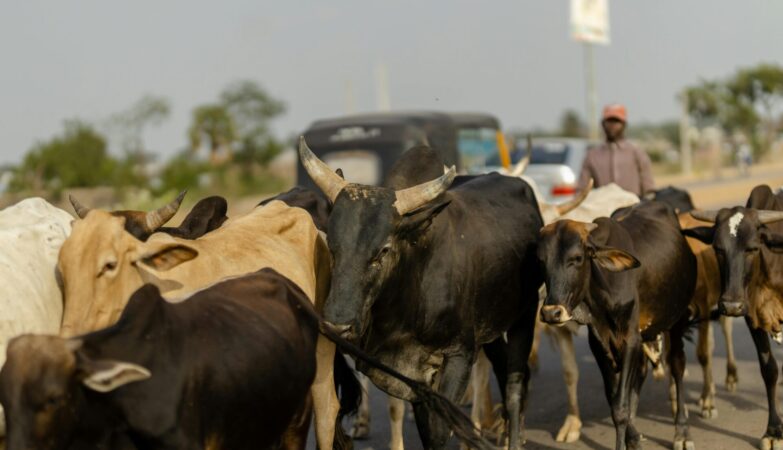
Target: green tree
x,y
129,125
252,109
571,124
78,157
213,126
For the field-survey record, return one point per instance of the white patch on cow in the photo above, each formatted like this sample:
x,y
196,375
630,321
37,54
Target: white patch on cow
x,y
734,222
777,337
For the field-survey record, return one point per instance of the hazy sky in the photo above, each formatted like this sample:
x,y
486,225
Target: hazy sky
x,y
91,58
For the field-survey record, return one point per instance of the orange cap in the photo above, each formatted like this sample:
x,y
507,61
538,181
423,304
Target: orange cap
x,y
615,111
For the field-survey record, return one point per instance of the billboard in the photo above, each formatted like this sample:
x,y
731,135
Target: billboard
x,y
590,21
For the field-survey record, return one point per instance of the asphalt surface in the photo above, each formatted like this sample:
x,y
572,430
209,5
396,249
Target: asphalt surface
x,y
740,423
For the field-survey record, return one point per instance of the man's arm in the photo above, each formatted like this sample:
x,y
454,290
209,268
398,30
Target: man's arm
x,y
645,171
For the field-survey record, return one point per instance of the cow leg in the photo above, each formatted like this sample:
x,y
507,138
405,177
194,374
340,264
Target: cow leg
x,y
572,426
497,352
295,436
773,437
454,378
481,408
520,340
632,436
676,361
727,323
609,376
325,402
396,416
361,426
704,348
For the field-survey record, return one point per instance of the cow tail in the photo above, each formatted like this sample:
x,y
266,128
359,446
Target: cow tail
x,y
456,419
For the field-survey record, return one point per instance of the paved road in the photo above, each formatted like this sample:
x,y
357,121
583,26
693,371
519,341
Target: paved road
x,y
740,424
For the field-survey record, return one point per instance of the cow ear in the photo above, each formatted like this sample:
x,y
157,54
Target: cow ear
x,y
703,234
165,255
105,376
613,259
772,241
420,219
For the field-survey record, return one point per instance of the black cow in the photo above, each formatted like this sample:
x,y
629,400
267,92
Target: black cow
x,y
678,199
423,276
207,215
588,279
749,244
228,368
311,201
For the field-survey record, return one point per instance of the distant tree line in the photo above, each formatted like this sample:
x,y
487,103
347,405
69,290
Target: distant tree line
x,y
747,103
234,130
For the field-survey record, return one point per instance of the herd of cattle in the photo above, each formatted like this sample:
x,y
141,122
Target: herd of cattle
x,y
229,333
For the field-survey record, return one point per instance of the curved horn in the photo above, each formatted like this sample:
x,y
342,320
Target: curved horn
x,y
413,197
767,216
521,165
156,219
706,216
80,209
326,180
570,205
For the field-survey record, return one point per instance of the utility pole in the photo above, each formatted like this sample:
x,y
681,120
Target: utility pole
x,y
382,96
685,141
591,97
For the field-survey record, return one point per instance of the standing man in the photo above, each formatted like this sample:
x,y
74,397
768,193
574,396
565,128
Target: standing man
x,y
617,160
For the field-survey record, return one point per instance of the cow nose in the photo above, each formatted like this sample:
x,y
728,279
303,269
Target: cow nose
x,y
554,314
732,308
343,330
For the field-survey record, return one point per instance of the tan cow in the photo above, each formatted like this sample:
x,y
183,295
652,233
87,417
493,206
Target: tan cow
x,y
101,265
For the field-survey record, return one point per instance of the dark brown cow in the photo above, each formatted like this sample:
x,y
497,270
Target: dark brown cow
x,y
226,369
749,244
588,279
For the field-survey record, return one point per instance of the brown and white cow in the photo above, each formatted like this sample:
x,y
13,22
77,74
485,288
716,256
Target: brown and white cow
x,y
749,244
101,265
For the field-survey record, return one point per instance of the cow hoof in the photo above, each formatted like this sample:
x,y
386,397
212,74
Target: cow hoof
x,y
709,412
684,444
570,431
360,431
731,383
771,443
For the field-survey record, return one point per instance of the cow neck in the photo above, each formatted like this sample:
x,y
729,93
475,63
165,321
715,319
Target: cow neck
x,y
610,314
765,294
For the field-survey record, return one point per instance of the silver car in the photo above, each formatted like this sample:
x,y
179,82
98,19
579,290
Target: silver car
x,y
555,165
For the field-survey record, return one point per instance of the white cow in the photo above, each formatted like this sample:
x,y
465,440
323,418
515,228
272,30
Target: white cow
x,y
31,233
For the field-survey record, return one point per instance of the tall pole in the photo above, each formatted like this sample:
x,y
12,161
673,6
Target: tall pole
x,y
591,96
685,142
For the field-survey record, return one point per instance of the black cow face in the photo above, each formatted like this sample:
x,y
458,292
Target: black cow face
x,y
568,257
740,239
42,391
367,236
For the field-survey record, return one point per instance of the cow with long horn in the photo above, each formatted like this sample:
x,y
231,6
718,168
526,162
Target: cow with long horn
x,y
424,276
139,223
749,245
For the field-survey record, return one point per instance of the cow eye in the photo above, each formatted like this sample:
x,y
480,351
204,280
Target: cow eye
x,y
108,268
383,252
576,260
52,401
751,250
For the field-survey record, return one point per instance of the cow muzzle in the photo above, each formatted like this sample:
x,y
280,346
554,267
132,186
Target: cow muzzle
x,y
555,315
344,331
732,308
